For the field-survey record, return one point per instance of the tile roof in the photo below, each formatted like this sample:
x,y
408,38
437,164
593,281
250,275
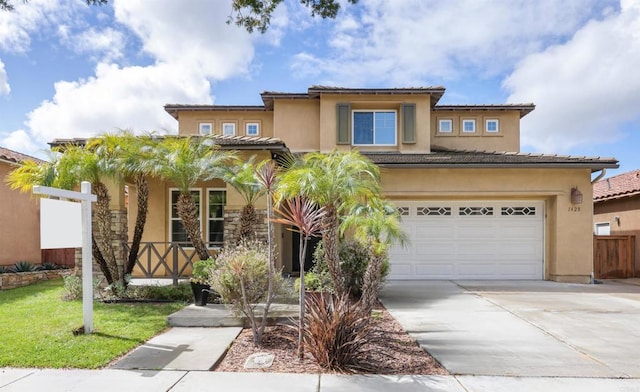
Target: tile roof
x,y
524,108
622,185
467,158
227,141
15,157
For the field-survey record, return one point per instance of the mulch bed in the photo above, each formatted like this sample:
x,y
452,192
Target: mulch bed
x,y
391,351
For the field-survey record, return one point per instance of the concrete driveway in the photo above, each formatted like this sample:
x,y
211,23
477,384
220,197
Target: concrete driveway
x,y
523,328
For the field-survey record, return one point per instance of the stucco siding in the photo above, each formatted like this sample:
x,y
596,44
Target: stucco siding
x,y
568,236
506,139
19,222
627,209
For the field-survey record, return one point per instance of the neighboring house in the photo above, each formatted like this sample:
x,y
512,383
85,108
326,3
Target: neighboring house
x,y
19,216
472,205
616,208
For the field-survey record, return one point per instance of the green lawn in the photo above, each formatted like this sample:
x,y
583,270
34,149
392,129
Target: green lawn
x,y
36,328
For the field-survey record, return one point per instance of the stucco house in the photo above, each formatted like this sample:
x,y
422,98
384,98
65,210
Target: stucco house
x,y
616,208
19,216
473,205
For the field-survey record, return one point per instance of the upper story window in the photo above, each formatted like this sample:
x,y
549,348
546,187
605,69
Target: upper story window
x,y
468,125
445,126
228,129
492,125
205,128
253,129
374,127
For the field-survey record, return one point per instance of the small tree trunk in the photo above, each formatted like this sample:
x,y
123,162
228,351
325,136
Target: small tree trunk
x,y
301,256
188,213
248,222
330,240
105,233
142,196
100,260
371,282
270,268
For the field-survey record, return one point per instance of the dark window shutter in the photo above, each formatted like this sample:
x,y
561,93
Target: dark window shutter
x,y
408,123
344,123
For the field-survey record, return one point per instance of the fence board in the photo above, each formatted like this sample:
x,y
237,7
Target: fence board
x,y
64,256
613,256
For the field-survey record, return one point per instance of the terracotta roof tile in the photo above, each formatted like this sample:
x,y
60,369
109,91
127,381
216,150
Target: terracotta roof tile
x,y
14,156
625,184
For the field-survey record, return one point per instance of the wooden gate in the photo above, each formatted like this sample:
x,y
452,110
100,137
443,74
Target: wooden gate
x,y
613,256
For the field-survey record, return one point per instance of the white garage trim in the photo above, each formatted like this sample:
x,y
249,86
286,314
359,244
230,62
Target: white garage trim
x,y
470,240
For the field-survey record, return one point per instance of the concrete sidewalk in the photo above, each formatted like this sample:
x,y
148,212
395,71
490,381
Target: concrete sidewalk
x,y
147,380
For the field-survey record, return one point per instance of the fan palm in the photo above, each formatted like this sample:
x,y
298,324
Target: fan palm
x,y
185,161
335,181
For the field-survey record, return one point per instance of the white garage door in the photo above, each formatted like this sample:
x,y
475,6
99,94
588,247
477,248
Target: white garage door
x,y
470,240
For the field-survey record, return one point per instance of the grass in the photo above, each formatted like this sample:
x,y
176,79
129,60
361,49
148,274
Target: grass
x,y
36,328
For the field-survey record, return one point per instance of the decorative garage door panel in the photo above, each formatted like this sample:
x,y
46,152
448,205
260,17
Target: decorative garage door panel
x,y
470,240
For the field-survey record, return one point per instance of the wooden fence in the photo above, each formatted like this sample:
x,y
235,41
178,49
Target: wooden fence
x,y
613,256
164,260
64,256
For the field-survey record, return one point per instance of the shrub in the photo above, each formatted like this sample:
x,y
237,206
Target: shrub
x,y
47,267
241,278
354,258
181,293
315,282
337,334
4,270
202,270
23,266
72,290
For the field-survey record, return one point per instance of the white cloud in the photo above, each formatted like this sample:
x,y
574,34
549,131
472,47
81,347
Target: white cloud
x,y
130,97
17,26
20,141
189,46
102,44
407,42
586,89
5,89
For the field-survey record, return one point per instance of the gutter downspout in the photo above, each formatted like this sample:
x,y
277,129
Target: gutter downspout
x,y
603,173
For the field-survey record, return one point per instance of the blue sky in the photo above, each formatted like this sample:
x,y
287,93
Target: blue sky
x,y
70,70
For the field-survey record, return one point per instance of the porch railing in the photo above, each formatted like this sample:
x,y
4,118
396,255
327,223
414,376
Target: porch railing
x,y
164,259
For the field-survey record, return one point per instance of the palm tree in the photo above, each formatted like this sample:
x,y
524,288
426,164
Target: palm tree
x,y
126,151
242,178
65,171
335,181
307,218
377,224
185,161
85,165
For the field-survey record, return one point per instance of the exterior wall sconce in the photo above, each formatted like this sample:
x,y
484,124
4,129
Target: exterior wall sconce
x,y
576,196
617,219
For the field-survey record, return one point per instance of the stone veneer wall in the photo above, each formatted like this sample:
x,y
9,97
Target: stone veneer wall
x,y
119,227
19,279
232,222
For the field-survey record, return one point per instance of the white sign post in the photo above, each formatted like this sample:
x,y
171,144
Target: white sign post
x,y
54,240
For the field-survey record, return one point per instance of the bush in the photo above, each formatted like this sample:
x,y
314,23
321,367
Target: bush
x,y
315,282
241,278
4,270
354,258
337,334
72,290
202,270
181,293
47,267
23,266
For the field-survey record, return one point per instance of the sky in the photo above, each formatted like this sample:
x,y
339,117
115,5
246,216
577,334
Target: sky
x,y
72,70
